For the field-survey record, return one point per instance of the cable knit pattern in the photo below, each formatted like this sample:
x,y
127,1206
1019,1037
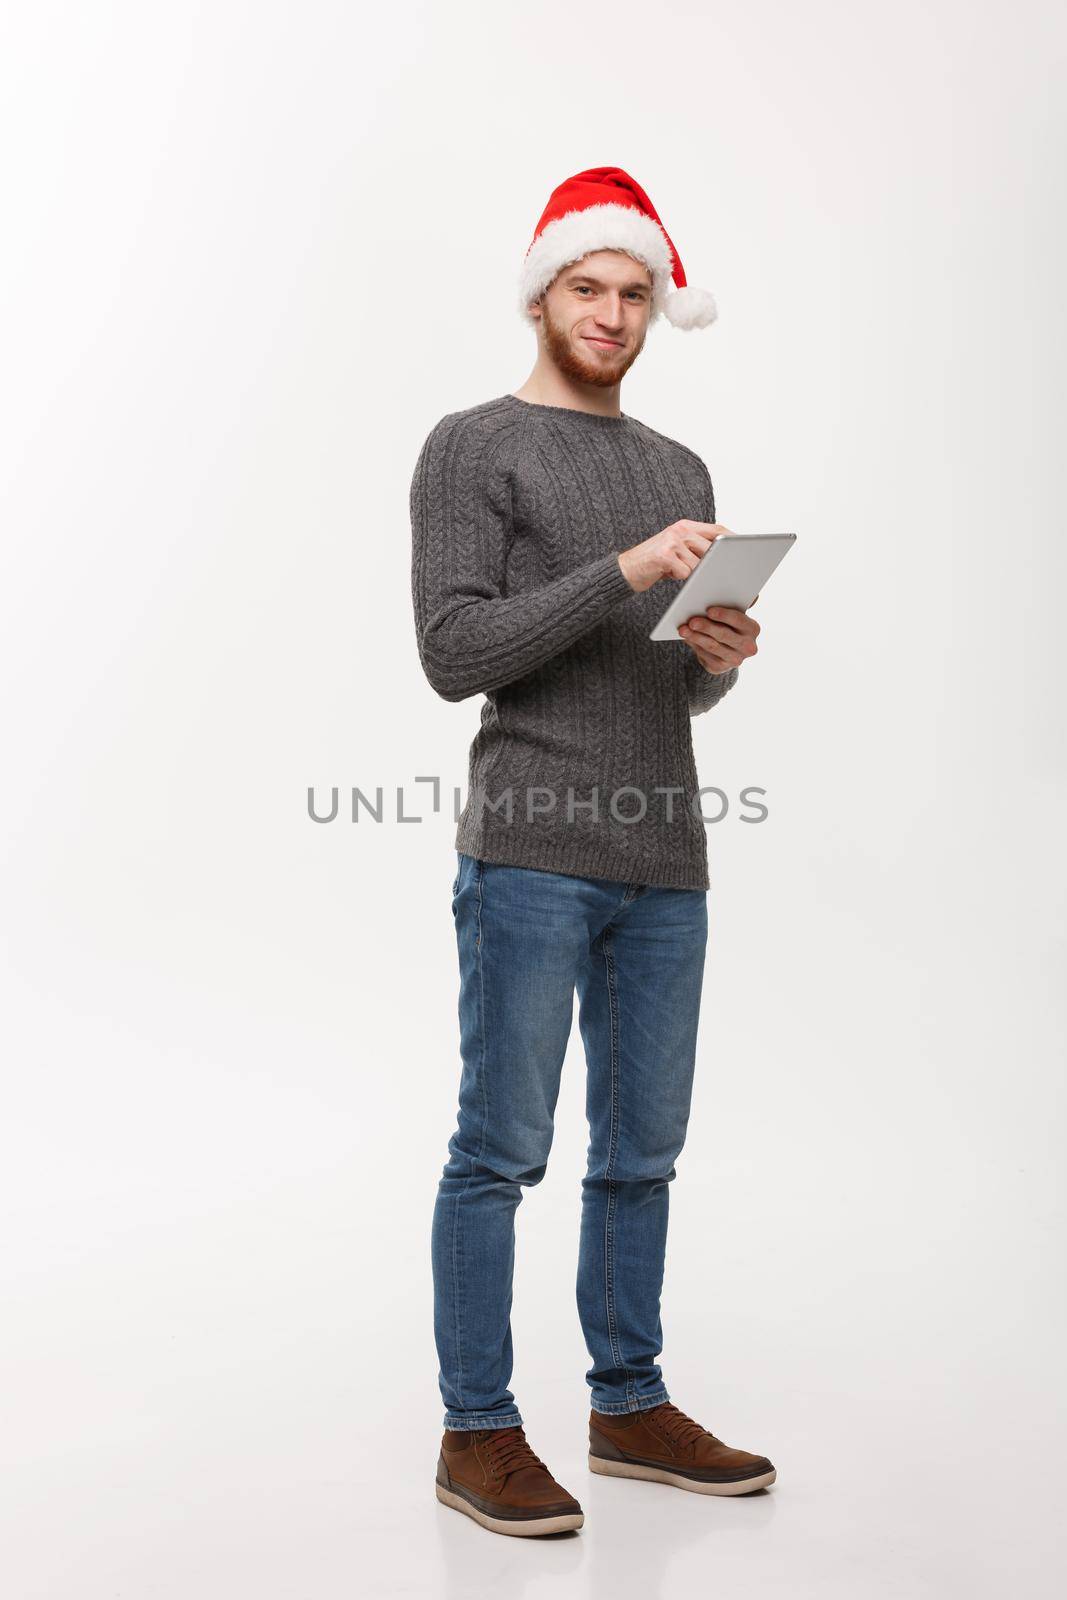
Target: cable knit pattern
x,y
518,513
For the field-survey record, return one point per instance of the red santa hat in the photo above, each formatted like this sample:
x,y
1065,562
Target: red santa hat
x,y
604,209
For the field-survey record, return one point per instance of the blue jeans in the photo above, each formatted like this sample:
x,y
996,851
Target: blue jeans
x,y
527,939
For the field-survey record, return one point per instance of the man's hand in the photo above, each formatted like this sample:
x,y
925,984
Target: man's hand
x,y
721,637
673,553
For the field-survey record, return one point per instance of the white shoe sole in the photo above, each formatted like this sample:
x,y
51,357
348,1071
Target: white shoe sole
x,y
527,1528
631,1469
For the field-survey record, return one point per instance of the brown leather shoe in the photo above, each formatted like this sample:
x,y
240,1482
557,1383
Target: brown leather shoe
x,y
492,1475
665,1446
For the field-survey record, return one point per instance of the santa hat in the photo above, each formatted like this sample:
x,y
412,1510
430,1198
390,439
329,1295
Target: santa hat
x,y
604,209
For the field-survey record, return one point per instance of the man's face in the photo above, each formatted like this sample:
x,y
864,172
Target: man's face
x,y
594,316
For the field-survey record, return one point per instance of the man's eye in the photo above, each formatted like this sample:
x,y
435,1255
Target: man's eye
x,y
583,288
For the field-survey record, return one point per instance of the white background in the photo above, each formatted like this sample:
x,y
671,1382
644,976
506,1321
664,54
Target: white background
x,y
252,253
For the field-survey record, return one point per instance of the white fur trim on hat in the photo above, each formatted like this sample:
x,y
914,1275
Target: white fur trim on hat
x,y
601,227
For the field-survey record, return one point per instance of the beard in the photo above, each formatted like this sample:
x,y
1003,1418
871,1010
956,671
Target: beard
x,y
602,368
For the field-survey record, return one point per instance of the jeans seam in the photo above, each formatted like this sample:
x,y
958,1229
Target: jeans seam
x,y
456,1287
613,1145
457,1296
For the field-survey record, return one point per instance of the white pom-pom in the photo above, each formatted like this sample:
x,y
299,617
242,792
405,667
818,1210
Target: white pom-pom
x,y
690,308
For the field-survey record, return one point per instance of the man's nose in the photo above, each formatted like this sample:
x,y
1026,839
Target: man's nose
x,y
609,314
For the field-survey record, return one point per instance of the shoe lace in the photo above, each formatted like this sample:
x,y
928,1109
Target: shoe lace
x,y
507,1449
679,1428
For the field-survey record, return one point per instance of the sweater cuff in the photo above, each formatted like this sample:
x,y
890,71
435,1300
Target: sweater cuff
x,y
614,582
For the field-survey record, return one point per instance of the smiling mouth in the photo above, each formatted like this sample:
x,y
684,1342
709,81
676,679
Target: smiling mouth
x,y
605,344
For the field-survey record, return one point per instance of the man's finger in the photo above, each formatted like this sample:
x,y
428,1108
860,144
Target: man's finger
x,y
733,618
712,660
719,634
736,623
702,628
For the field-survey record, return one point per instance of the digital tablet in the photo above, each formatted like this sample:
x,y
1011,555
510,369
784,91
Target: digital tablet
x,y
731,572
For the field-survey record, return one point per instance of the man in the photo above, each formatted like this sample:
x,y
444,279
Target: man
x,y
548,528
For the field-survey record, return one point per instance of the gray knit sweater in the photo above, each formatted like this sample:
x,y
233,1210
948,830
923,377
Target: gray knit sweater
x,y
583,763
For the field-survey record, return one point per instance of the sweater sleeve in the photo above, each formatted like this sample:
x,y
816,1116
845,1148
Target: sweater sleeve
x,y
705,689
472,636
